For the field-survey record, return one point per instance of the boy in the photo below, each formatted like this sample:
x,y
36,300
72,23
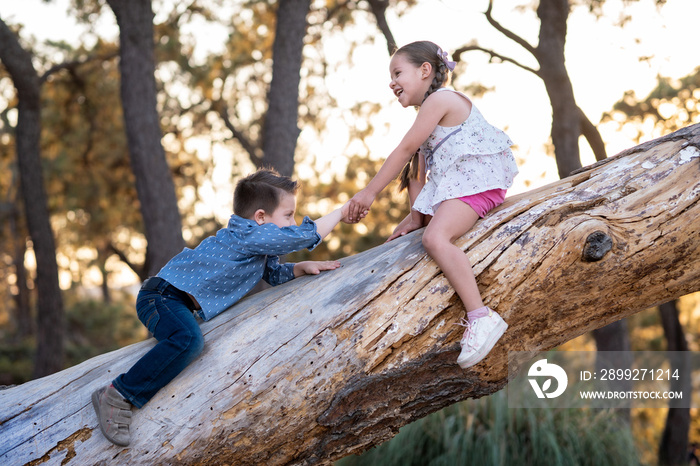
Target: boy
x,y
206,281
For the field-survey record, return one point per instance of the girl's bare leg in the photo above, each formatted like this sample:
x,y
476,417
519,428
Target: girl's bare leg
x,y
453,219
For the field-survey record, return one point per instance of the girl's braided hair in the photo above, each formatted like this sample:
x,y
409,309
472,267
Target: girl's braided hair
x,y
418,53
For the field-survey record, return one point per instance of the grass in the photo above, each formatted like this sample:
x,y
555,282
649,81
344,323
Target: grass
x,y
487,432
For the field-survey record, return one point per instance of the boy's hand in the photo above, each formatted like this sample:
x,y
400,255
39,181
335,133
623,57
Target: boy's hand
x,y
359,205
314,267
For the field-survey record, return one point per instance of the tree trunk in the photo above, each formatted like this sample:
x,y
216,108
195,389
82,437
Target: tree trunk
x,y
566,116
322,367
568,123
49,355
23,310
614,341
154,183
281,125
673,449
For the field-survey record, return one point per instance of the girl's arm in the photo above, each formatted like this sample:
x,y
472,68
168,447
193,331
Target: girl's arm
x,y
414,189
428,117
414,220
406,226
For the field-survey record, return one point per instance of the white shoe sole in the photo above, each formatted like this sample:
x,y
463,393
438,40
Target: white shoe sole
x,y
488,345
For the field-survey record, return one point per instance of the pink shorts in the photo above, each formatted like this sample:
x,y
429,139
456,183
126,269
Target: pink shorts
x,y
483,202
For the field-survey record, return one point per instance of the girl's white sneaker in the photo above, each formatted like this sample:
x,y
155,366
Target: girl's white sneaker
x,y
479,338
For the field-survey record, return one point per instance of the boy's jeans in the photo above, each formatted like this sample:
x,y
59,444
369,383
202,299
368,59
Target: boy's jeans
x,y
167,316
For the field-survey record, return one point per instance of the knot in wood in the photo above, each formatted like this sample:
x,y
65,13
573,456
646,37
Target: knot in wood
x,y
598,244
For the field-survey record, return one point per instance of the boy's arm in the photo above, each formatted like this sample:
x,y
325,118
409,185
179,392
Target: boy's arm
x,y
325,224
276,273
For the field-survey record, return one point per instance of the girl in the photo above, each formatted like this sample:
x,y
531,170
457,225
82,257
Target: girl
x,y
464,166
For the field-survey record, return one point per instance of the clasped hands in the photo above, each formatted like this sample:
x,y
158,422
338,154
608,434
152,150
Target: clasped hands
x,y
358,206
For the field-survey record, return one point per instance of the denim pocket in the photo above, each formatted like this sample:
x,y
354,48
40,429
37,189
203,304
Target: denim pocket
x,y
149,316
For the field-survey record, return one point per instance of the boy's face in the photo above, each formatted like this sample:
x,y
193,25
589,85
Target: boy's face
x,y
283,215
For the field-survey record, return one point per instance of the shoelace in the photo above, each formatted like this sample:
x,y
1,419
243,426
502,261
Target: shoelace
x,y
469,330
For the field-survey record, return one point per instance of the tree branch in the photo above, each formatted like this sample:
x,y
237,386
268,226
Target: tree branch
x,y
76,63
503,58
592,135
507,32
379,10
254,152
138,270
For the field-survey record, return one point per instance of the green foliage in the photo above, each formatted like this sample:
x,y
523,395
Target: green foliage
x,y
672,105
16,361
487,432
93,327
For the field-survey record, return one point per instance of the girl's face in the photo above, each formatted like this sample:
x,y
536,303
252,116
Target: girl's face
x,y
408,81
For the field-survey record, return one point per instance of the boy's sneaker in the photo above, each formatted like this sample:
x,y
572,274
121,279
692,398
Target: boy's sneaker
x,y
479,338
113,414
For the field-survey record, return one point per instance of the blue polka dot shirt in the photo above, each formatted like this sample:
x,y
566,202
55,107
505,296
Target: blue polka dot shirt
x,y
223,268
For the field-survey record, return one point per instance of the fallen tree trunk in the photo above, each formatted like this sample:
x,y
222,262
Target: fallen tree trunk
x,y
322,367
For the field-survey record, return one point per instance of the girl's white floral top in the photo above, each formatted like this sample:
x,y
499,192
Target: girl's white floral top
x,y
463,160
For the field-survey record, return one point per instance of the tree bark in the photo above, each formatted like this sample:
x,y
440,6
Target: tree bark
x,y
281,125
154,183
49,355
322,367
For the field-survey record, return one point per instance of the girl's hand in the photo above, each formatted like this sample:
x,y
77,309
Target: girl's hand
x,y
404,228
359,206
314,267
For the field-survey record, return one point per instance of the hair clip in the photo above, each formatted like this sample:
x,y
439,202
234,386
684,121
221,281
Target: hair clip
x,y
443,56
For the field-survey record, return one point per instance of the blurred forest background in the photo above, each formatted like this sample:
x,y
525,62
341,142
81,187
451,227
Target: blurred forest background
x,y
123,133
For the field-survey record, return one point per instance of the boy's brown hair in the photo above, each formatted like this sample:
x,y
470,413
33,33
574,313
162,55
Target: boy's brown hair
x,y
261,190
